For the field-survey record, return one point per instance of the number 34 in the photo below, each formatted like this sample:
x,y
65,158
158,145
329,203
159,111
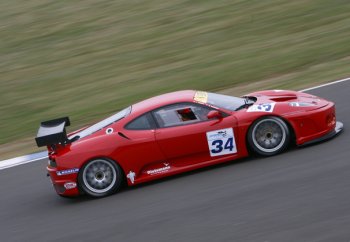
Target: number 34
x,y
219,145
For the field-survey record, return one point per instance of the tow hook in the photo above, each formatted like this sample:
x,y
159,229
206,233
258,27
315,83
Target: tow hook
x,y
47,174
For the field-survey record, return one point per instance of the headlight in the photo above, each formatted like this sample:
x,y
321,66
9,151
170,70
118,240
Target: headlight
x,y
301,104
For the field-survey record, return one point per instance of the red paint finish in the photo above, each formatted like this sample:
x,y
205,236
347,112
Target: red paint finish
x,y
163,151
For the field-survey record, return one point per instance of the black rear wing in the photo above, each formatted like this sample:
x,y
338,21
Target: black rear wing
x,y
52,132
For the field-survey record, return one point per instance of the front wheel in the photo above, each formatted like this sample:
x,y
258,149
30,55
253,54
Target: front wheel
x,y
268,136
100,177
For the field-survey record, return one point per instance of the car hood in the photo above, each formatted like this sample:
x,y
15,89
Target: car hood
x,y
292,98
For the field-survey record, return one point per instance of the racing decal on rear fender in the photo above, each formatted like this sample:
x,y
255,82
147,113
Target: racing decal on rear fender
x,y
262,107
67,172
221,142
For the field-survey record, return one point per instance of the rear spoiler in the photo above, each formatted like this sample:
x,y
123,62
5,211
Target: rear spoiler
x,y
52,132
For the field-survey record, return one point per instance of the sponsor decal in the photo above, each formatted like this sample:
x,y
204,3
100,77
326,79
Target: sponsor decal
x,y
67,172
201,97
221,142
262,107
131,175
109,130
159,170
70,185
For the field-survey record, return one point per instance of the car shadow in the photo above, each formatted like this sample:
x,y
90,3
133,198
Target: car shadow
x,y
126,189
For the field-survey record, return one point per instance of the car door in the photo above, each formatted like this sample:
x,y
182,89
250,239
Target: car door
x,y
141,150
186,136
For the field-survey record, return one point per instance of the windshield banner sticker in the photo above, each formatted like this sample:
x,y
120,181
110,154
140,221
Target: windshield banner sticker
x,y
221,142
201,97
263,107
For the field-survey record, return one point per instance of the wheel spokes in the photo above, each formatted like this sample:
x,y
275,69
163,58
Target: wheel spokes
x,y
99,176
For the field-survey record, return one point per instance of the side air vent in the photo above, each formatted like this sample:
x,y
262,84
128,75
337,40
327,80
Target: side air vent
x,y
123,135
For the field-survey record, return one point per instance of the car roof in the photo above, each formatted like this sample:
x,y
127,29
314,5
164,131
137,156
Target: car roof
x,y
162,100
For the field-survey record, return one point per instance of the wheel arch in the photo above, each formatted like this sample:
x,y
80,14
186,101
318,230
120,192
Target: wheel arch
x,y
102,157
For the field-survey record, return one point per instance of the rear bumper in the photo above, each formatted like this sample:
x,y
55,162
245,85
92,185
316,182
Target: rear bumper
x,y
337,130
65,185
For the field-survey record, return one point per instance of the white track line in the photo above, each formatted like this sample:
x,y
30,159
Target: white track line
x,y
42,155
5,165
327,84
22,160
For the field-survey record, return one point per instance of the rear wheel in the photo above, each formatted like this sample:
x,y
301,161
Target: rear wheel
x,y
268,136
100,177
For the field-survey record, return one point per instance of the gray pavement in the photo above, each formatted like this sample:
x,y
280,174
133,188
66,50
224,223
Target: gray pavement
x,y
300,195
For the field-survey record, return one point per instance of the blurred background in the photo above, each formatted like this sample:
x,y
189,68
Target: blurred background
x,y
88,59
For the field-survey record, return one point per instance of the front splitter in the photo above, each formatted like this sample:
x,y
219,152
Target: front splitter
x,y
337,130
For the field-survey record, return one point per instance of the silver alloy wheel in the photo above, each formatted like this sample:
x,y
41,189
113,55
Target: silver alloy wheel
x,y
99,176
269,135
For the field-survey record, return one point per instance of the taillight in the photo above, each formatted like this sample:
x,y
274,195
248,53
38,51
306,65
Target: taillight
x,y
52,159
52,163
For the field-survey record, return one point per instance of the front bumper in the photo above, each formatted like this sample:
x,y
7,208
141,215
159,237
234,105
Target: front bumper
x,y
337,130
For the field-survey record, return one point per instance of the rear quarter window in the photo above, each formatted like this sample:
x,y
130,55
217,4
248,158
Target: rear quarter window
x,y
143,122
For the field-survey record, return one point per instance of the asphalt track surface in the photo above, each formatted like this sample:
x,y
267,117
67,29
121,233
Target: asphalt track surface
x,y
300,195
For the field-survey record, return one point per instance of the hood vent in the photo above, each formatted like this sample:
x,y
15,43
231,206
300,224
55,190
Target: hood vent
x,y
284,98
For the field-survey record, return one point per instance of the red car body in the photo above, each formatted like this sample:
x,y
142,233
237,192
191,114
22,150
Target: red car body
x,y
147,154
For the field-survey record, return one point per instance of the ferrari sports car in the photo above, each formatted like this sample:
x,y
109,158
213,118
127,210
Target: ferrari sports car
x,y
179,132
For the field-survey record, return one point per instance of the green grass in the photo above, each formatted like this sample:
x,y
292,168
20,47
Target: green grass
x,y
87,59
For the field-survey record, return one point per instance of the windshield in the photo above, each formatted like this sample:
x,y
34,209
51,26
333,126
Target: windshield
x,y
220,100
100,125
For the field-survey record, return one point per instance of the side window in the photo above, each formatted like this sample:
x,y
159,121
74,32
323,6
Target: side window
x,y
181,114
143,122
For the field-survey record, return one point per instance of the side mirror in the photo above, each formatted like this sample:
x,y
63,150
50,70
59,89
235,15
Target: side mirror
x,y
214,114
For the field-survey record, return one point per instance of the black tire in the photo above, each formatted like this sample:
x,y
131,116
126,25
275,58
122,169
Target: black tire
x,y
268,136
100,177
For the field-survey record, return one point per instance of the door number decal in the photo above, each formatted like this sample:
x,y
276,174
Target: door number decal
x,y
221,142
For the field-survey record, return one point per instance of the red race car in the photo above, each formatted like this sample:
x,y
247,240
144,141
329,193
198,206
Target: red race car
x,y
179,132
